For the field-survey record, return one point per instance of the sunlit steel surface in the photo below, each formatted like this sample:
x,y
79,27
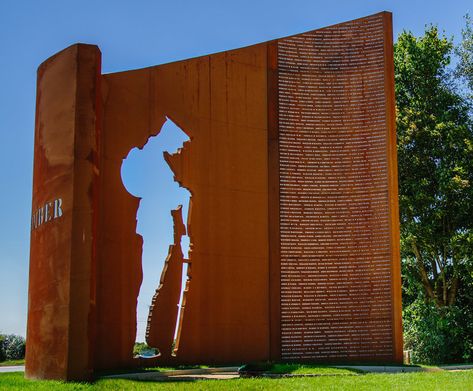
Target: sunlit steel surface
x,y
293,221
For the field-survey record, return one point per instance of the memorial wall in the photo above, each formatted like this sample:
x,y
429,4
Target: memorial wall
x,y
293,215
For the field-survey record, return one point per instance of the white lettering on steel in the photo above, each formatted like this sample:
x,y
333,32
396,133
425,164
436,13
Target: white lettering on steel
x,y
49,211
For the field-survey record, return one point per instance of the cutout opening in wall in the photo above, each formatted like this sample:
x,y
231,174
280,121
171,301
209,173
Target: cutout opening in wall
x,y
146,174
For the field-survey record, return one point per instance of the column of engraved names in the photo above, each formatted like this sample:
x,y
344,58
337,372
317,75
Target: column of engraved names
x,y
335,255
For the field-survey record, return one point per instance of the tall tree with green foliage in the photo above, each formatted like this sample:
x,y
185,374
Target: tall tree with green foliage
x,y
465,54
435,153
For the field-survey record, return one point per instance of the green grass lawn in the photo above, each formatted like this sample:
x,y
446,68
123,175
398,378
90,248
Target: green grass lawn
x,y
424,381
10,363
299,369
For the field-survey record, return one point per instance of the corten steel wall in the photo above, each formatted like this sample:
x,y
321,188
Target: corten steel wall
x,y
61,281
291,166
220,102
337,182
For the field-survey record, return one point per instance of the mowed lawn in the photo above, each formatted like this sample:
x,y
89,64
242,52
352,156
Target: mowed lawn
x,y
425,381
10,363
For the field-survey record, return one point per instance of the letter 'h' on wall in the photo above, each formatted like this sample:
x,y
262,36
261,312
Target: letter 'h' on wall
x,y
293,218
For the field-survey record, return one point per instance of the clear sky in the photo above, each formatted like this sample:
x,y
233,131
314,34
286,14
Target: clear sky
x,y
134,34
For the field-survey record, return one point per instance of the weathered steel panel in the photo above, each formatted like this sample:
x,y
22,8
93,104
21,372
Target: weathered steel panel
x,y
65,188
293,222
335,196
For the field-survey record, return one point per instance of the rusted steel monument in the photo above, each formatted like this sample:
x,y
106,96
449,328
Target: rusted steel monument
x,y
293,220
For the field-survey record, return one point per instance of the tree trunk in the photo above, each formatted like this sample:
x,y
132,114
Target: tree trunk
x,y
423,274
452,296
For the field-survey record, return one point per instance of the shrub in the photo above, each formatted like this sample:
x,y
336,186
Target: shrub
x,y
12,347
438,335
139,347
2,348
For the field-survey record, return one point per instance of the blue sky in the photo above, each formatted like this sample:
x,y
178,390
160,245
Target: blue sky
x,y
134,34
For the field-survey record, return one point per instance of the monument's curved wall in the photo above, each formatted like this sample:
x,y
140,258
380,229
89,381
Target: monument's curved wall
x,y
220,102
336,184
291,166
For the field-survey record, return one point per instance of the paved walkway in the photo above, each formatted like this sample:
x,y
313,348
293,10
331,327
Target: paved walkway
x,y
400,369
17,368
222,373
210,376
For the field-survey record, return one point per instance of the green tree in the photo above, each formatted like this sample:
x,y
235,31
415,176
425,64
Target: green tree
x,y
435,152
465,53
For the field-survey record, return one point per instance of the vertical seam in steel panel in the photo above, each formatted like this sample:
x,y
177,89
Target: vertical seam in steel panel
x,y
273,203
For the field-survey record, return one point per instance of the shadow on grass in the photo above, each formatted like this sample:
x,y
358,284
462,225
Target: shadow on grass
x,y
163,379
311,369
124,371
